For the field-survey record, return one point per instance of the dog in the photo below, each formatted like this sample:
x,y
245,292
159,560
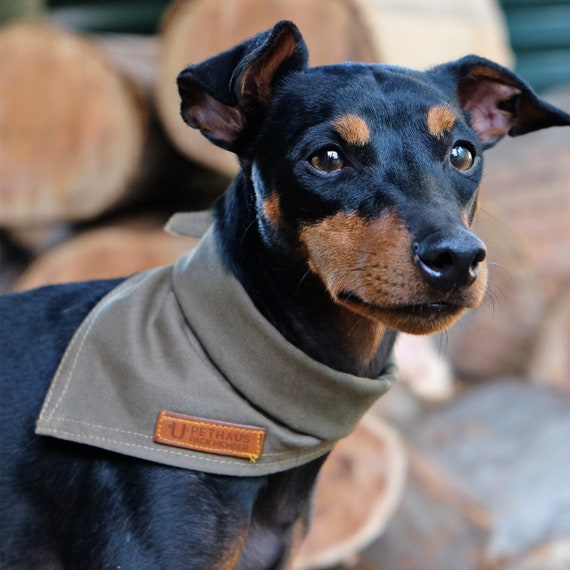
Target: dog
x,y
348,222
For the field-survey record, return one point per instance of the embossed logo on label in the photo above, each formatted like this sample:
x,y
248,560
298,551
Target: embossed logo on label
x,y
209,436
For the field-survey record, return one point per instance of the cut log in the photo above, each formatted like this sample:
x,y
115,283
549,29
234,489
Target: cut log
x,y
418,34
423,367
134,56
554,555
487,485
357,493
550,360
507,445
438,525
335,30
104,253
71,128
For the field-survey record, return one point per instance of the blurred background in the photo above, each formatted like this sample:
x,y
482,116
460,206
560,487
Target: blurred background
x,y
464,465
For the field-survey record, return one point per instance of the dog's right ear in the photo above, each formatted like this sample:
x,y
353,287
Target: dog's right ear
x,y
223,95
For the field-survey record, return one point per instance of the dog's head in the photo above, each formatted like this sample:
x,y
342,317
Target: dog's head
x,y
368,174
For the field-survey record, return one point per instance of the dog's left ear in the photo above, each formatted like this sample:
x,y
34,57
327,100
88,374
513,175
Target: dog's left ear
x,y
223,95
496,101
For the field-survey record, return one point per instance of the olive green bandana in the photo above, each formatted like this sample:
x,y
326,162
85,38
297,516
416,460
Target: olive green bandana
x,y
177,366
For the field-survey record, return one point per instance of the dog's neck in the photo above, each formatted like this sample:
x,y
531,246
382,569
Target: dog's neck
x,y
291,297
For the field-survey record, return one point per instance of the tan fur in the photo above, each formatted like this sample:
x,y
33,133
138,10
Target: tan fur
x,y
271,209
353,129
264,70
362,335
230,558
373,260
440,120
299,534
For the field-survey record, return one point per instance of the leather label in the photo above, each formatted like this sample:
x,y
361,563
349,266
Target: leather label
x,y
209,436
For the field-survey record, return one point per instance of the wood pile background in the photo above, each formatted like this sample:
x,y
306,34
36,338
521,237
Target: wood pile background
x,y
464,464
72,131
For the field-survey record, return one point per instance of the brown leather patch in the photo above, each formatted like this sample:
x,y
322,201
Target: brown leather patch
x,y
209,436
440,120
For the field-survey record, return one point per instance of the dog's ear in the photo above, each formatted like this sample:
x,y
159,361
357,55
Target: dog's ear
x,y
496,101
223,94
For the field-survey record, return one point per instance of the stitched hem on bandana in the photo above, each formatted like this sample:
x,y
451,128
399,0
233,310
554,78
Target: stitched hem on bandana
x,y
188,340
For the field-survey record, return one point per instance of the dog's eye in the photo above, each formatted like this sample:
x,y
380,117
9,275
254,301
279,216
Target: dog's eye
x,y
327,160
462,157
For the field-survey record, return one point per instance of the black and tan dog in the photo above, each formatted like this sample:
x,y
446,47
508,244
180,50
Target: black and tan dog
x,y
191,407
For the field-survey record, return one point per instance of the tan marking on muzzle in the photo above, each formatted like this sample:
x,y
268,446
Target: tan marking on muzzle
x,y
372,261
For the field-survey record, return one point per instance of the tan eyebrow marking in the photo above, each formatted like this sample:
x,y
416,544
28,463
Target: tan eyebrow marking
x,y
353,129
440,120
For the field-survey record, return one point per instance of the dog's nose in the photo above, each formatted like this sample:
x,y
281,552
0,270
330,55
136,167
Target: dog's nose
x,y
450,261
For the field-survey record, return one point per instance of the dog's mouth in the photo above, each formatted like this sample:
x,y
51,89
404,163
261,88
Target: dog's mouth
x,y
415,318
417,309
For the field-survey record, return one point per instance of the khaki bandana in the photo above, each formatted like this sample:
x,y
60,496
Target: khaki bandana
x,y
177,366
